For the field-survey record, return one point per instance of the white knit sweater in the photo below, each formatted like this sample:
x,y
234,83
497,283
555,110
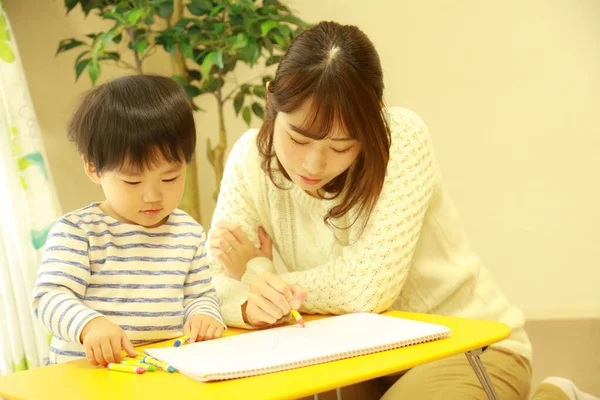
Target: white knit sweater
x,y
413,254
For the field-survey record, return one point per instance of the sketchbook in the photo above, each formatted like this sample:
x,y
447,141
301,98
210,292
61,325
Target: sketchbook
x,y
289,347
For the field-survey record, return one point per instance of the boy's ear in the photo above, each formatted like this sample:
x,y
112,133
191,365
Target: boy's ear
x,y
90,170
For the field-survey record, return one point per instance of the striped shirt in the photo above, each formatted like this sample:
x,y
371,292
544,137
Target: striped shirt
x,y
146,280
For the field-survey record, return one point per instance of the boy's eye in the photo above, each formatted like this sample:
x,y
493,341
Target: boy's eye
x,y
171,180
132,183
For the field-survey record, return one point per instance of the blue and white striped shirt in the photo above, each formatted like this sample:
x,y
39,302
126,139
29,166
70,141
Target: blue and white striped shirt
x,y
147,280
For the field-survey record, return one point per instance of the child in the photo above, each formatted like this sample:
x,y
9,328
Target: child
x,y
133,268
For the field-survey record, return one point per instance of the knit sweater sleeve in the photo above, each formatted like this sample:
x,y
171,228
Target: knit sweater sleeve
x,y
371,271
236,204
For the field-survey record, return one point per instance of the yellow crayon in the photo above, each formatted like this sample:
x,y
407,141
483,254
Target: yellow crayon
x,y
159,364
294,312
126,368
181,340
138,363
298,317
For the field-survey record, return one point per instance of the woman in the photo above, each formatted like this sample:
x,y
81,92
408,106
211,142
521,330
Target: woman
x,y
350,194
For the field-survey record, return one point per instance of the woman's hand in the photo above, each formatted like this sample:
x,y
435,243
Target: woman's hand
x,y
268,300
230,245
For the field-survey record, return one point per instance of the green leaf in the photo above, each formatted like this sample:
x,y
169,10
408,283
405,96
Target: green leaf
x,y
141,46
165,9
107,37
272,60
292,19
114,16
117,39
199,55
110,55
194,74
218,60
192,91
179,79
70,4
94,71
268,44
281,42
135,16
170,48
186,48
245,88
207,62
182,24
259,91
215,10
267,3
241,41
68,44
80,66
251,53
80,56
247,115
211,85
266,27
219,27
229,63
200,7
238,102
89,5
285,30
258,110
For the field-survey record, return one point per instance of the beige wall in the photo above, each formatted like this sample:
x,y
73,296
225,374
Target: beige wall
x,y
510,91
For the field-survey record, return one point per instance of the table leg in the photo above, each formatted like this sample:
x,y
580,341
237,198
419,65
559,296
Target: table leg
x,y
479,368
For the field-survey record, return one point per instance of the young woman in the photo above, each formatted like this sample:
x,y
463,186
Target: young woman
x,y
349,194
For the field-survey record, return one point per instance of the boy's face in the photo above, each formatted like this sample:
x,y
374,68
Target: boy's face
x,y
144,198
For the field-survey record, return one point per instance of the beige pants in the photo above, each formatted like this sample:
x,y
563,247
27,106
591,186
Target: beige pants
x,y
448,379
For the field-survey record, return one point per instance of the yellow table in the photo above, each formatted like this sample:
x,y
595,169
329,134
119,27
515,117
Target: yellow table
x,y
78,380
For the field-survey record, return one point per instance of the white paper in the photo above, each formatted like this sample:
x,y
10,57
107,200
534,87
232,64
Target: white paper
x,y
293,346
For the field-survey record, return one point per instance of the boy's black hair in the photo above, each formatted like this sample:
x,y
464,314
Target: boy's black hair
x,y
141,118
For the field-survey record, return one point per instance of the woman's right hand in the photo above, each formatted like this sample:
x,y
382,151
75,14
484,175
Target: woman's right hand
x,y
268,300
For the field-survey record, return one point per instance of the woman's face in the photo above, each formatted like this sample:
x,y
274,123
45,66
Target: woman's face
x,y
311,164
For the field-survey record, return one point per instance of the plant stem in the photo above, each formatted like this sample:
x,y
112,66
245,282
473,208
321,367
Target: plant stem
x,y
216,155
237,87
190,202
138,61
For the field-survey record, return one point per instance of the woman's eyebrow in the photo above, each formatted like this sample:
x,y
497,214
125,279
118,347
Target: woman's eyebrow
x,y
309,136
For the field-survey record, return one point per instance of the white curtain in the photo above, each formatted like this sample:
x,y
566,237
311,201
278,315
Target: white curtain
x,y
28,209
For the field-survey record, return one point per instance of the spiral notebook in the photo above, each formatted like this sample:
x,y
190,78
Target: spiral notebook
x,y
288,347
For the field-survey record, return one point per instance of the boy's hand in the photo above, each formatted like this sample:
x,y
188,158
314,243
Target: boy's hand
x,y
202,327
103,341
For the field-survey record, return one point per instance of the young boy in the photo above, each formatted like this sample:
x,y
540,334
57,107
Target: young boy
x,y
133,268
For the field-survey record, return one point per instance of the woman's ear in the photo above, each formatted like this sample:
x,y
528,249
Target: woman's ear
x,y
90,170
267,96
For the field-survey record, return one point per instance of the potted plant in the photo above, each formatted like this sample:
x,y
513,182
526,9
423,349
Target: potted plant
x,y
205,39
